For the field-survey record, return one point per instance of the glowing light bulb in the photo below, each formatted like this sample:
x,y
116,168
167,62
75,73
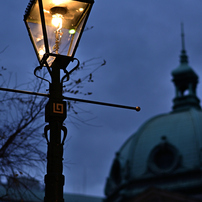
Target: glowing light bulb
x,y
72,31
45,11
57,21
58,2
41,52
81,9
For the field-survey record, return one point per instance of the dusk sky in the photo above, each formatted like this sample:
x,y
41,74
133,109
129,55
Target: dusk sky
x,y
140,41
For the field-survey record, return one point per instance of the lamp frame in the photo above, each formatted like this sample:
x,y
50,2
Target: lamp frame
x,y
42,61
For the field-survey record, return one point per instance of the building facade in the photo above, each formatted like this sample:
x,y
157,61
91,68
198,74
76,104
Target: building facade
x,y
162,161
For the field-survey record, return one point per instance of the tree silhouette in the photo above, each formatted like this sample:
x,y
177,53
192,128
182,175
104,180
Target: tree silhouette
x,y
21,126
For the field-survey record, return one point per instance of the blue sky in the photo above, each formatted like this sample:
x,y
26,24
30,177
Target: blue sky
x,y
140,41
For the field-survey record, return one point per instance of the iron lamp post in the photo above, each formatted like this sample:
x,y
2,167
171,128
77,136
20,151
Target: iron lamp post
x,y
55,28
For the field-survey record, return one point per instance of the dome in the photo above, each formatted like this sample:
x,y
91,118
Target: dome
x,y
166,151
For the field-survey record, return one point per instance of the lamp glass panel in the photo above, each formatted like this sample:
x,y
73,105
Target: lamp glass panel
x,y
64,20
34,23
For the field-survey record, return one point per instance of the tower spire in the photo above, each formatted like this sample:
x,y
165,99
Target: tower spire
x,y
182,36
183,56
185,80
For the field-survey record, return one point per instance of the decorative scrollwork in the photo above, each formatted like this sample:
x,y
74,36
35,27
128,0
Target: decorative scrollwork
x,y
58,108
46,128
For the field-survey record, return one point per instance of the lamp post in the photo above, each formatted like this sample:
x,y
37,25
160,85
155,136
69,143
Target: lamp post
x,y
55,28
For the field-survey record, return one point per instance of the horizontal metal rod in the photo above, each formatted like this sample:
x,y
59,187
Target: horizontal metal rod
x,y
24,92
103,103
73,99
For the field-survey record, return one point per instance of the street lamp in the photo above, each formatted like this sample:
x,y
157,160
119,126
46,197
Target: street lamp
x,y
55,28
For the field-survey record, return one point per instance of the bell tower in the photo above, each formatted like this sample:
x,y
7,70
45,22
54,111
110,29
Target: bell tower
x,y
185,81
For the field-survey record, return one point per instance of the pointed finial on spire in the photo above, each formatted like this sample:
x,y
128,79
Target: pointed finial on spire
x,y
183,56
182,36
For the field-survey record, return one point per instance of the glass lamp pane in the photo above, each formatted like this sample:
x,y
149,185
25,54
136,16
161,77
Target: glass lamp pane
x,y
36,33
64,21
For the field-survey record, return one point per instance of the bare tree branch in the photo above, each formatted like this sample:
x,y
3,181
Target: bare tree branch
x,y
20,137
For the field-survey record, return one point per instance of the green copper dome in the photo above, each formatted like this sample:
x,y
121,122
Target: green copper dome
x,y
166,151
